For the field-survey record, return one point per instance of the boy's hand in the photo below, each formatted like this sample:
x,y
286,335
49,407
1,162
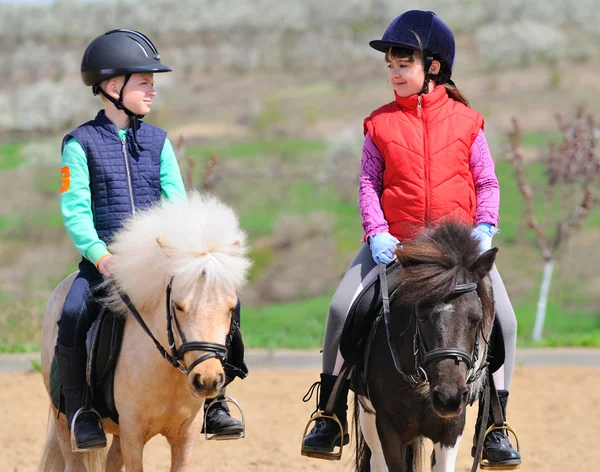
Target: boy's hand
x,y
105,264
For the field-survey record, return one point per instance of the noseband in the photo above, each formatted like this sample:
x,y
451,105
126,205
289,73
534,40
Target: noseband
x,y
423,357
215,350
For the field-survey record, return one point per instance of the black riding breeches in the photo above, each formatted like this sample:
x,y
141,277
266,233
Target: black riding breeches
x,y
81,308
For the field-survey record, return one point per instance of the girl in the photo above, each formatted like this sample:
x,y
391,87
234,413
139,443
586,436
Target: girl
x,y
425,158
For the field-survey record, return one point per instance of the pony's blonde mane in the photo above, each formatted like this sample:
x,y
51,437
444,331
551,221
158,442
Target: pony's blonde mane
x,y
200,237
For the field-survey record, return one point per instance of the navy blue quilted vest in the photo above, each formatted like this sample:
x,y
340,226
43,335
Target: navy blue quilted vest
x,y
122,177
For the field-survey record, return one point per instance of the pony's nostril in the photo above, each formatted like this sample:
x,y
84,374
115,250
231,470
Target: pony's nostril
x,y
196,383
219,381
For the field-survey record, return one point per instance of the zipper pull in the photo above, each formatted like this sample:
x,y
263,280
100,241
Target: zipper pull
x,y
419,101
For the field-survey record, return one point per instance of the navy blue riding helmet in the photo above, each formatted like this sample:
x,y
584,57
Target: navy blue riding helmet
x,y
420,30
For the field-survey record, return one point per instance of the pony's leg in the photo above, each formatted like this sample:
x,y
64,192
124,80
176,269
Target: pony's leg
x,y
114,461
73,460
132,441
445,457
394,450
369,430
183,445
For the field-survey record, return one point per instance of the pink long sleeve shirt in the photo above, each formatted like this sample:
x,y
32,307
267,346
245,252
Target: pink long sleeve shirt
x,y
371,185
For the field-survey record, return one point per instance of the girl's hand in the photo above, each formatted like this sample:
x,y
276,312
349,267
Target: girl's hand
x,y
484,232
105,264
383,246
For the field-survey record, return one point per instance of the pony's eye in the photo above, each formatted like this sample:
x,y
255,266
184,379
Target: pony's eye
x,y
177,306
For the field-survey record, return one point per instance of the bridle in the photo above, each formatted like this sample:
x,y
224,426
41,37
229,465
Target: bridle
x,y
175,358
422,356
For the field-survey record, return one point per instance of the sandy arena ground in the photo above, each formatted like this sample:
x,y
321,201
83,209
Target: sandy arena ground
x,y
555,411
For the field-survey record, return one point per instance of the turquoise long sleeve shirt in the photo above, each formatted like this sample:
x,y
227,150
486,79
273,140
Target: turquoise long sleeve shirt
x,y
76,197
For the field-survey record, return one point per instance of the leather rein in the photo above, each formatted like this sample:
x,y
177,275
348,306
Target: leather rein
x,y
175,358
422,356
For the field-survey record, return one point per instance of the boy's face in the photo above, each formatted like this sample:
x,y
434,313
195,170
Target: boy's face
x,y
137,94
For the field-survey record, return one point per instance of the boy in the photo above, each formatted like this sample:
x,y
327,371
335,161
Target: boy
x,y
111,167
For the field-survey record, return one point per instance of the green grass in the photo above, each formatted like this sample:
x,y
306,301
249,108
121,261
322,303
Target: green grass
x,y
298,324
30,225
289,149
540,139
20,324
10,155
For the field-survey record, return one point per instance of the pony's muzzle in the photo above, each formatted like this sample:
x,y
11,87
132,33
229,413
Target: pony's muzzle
x,y
208,379
449,400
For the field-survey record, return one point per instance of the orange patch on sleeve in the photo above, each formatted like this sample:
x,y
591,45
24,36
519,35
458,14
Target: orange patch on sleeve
x,y
65,179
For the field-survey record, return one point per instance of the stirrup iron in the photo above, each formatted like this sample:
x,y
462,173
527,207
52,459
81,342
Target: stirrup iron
x,y
223,437
484,464
74,447
328,456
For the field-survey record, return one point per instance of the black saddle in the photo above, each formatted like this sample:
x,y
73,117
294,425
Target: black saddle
x,y
103,346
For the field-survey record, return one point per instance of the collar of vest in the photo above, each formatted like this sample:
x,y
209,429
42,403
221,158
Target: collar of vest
x,y
437,97
103,121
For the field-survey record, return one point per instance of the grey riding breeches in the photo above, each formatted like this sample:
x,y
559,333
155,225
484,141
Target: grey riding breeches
x,y
352,281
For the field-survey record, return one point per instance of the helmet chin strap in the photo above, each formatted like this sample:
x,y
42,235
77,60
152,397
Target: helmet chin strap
x,y
120,106
428,76
438,78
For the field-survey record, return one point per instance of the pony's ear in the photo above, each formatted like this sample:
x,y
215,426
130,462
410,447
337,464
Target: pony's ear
x,y
484,263
165,245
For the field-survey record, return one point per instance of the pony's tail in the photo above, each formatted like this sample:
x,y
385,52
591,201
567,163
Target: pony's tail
x,y
52,458
95,460
363,453
415,452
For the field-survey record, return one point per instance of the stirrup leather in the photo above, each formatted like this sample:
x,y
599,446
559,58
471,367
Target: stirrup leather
x,y
74,447
329,456
223,437
484,464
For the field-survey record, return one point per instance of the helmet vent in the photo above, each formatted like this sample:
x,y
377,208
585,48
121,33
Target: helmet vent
x,y
141,47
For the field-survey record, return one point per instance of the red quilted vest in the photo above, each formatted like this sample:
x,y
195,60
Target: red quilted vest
x,y
426,152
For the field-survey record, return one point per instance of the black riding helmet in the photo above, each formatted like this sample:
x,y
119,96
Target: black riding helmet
x,y
115,53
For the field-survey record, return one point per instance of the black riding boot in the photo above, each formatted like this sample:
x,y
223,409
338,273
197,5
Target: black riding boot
x,y
497,449
219,420
87,432
325,434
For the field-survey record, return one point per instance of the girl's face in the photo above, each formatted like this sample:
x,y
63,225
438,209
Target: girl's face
x,y
406,73
138,93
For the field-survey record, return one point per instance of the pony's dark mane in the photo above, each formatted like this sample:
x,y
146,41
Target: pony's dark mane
x,y
435,262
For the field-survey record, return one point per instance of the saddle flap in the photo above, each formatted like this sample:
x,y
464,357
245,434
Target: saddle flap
x,y
365,308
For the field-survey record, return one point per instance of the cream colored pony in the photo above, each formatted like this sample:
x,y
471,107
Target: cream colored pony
x,y
198,245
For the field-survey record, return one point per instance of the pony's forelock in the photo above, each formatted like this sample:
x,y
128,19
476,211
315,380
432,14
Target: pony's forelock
x,y
188,240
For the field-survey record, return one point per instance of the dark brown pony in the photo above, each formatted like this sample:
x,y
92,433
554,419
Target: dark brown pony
x,y
431,360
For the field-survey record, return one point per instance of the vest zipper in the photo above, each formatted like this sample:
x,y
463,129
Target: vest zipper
x,y
124,150
421,114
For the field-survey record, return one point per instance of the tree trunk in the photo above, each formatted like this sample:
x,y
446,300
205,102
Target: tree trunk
x,y
540,316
